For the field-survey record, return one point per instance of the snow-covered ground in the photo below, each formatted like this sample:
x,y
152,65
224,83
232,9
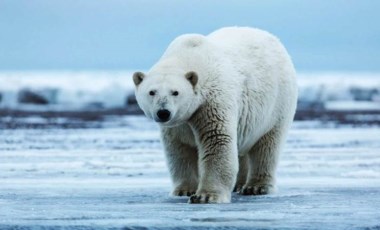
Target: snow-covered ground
x,y
105,90
112,174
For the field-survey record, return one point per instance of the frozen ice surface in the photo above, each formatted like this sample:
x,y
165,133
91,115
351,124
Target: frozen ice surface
x,y
115,177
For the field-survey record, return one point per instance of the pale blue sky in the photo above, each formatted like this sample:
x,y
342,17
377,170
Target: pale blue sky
x,y
339,35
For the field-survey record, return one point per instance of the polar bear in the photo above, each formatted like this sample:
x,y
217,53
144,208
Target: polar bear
x,y
224,103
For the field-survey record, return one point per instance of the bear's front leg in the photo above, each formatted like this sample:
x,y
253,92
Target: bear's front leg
x,y
218,159
182,161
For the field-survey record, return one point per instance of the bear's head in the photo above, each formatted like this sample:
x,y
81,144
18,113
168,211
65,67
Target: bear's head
x,y
169,99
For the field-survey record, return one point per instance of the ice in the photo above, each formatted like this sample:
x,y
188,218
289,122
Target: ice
x,y
113,175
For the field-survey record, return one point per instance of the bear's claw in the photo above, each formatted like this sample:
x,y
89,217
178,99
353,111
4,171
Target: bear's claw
x,y
183,192
238,188
257,190
199,199
210,197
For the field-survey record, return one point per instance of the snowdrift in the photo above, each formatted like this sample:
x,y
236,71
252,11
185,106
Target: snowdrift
x,y
93,91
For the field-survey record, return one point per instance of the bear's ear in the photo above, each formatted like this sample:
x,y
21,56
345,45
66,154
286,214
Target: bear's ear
x,y
138,78
192,77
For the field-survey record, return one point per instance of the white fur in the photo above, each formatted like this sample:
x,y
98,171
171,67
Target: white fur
x,y
238,113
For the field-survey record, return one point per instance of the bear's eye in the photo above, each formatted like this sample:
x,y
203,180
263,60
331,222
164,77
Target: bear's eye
x,y
152,93
175,93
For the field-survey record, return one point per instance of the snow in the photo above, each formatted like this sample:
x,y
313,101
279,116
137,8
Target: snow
x,y
112,174
353,105
110,89
67,90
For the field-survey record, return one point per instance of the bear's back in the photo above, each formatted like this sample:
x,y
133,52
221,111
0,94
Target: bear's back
x,y
254,53
245,43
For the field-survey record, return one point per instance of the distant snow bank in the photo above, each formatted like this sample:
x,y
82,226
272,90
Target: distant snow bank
x,y
65,90
339,91
114,89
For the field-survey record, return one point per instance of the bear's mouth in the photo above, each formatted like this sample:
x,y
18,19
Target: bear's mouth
x,y
170,123
162,116
158,120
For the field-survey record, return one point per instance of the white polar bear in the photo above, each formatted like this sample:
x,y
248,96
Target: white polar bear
x,y
224,103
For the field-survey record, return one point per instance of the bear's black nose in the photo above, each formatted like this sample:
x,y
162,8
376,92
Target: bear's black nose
x,y
163,115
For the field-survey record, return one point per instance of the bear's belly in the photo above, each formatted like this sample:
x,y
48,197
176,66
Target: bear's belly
x,y
245,143
253,124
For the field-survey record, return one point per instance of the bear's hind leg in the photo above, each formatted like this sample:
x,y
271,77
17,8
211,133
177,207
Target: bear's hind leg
x,y
263,159
243,171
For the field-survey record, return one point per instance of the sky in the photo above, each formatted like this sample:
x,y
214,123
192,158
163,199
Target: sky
x,y
339,35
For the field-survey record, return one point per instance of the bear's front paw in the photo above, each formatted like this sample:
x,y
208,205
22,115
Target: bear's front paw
x,y
209,197
261,189
183,192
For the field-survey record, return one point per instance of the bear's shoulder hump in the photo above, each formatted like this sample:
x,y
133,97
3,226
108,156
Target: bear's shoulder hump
x,y
190,40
